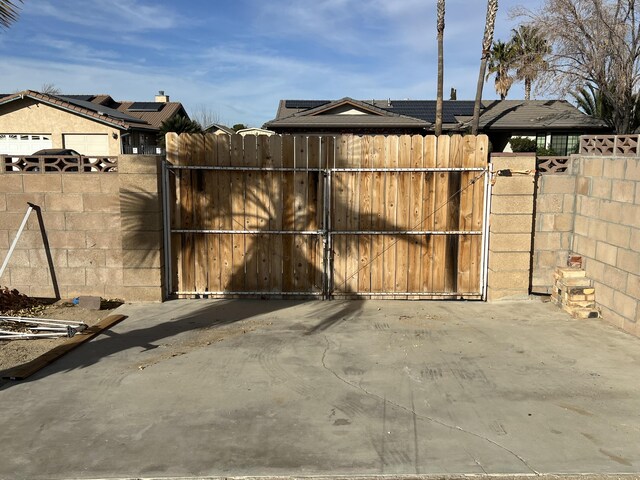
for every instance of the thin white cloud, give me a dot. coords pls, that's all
(115, 15)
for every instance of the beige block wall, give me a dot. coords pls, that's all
(100, 231)
(554, 225)
(607, 234)
(29, 116)
(511, 225)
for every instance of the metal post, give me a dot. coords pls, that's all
(484, 260)
(166, 216)
(15, 240)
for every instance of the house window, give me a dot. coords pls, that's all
(564, 144)
(573, 144)
(541, 140)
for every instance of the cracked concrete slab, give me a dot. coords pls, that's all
(277, 388)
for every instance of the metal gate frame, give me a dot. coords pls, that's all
(327, 233)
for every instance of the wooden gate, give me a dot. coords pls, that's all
(347, 216)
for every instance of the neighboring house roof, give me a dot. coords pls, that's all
(342, 113)
(533, 114)
(254, 131)
(457, 114)
(153, 113)
(102, 108)
(218, 126)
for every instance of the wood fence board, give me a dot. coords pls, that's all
(275, 216)
(187, 215)
(480, 160)
(288, 214)
(301, 213)
(224, 213)
(414, 283)
(378, 214)
(440, 217)
(403, 217)
(391, 211)
(365, 220)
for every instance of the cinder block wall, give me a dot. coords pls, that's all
(511, 224)
(553, 231)
(607, 234)
(89, 219)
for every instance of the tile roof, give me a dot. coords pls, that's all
(154, 118)
(104, 109)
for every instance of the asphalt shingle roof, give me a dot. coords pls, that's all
(495, 114)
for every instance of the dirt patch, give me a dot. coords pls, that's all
(19, 352)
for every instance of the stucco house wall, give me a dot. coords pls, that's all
(30, 117)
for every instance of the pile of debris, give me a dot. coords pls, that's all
(14, 301)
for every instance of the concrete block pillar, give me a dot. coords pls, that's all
(140, 178)
(511, 225)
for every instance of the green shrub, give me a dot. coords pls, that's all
(522, 144)
(546, 152)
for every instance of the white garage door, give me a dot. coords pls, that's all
(89, 145)
(23, 143)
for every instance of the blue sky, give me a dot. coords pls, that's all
(237, 58)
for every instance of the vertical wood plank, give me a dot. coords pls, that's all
(403, 215)
(365, 219)
(453, 214)
(441, 214)
(212, 206)
(314, 204)
(224, 213)
(173, 158)
(480, 160)
(301, 214)
(251, 212)
(237, 214)
(429, 212)
(339, 196)
(263, 212)
(276, 213)
(391, 210)
(353, 214)
(288, 214)
(200, 201)
(466, 212)
(378, 214)
(187, 282)
(415, 242)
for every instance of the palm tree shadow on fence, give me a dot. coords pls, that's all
(273, 202)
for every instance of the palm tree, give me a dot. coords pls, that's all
(490, 22)
(440, 29)
(529, 51)
(8, 12)
(592, 102)
(500, 62)
(178, 124)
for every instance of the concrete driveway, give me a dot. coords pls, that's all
(230, 388)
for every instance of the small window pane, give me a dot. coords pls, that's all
(559, 144)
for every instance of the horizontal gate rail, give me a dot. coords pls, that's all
(405, 232)
(406, 294)
(323, 169)
(251, 232)
(333, 232)
(257, 292)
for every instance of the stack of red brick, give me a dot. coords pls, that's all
(574, 292)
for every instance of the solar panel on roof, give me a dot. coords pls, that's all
(305, 104)
(426, 109)
(85, 98)
(146, 106)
